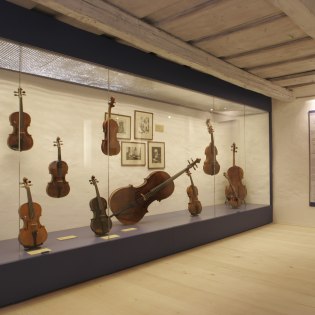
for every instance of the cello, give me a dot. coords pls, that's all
(211, 165)
(20, 139)
(130, 204)
(32, 234)
(101, 222)
(58, 186)
(110, 144)
(235, 192)
(194, 205)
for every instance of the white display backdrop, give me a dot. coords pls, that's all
(76, 113)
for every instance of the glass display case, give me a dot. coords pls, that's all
(58, 88)
(177, 124)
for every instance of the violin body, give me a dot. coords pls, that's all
(32, 234)
(101, 223)
(110, 144)
(235, 192)
(130, 204)
(194, 205)
(211, 165)
(58, 186)
(20, 139)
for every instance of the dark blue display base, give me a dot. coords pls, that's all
(87, 256)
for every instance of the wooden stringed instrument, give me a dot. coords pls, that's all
(211, 165)
(58, 186)
(110, 144)
(20, 139)
(194, 205)
(32, 234)
(130, 204)
(101, 222)
(235, 192)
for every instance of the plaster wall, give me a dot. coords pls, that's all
(291, 162)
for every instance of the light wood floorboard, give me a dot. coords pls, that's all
(266, 271)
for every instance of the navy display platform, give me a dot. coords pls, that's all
(85, 256)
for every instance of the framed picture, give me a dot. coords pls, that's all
(156, 154)
(133, 154)
(143, 125)
(124, 125)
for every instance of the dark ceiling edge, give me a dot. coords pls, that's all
(37, 29)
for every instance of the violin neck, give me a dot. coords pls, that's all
(98, 197)
(59, 154)
(30, 203)
(191, 180)
(21, 113)
(233, 158)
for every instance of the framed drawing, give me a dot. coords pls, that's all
(156, 155)
(143, 125)
(124, 125)
(133, 154)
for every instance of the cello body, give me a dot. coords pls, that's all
(58, 186)
(130, 204)
(110, 144)
(211, 165)
(20, 139)
(235, 192)
(132, 198)
(32, 234)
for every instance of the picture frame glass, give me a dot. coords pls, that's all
(133, 154)
(156, 155)
(143, 125)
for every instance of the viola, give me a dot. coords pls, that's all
(101, 222)
(20, 139)
(235, 192)
(110, 144)
(211, 165)
(194, 205)
(130, 204)
(58, 186)
(32, 234)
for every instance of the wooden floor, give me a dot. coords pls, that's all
(266, 271)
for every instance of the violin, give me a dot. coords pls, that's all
(211, 165)
(101, 222)
(235, 192)
(20, 139)
(110, 144)
(58, 186)
(130, 204)
(194, 205)
(33, 234)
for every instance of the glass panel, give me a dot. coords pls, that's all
(162, 129)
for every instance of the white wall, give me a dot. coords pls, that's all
(291, 163)
(75, 113)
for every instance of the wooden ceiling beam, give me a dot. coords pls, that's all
(301, 12)
(117, 23)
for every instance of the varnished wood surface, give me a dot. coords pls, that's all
(269, 270)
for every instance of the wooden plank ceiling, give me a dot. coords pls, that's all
(267, 46)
